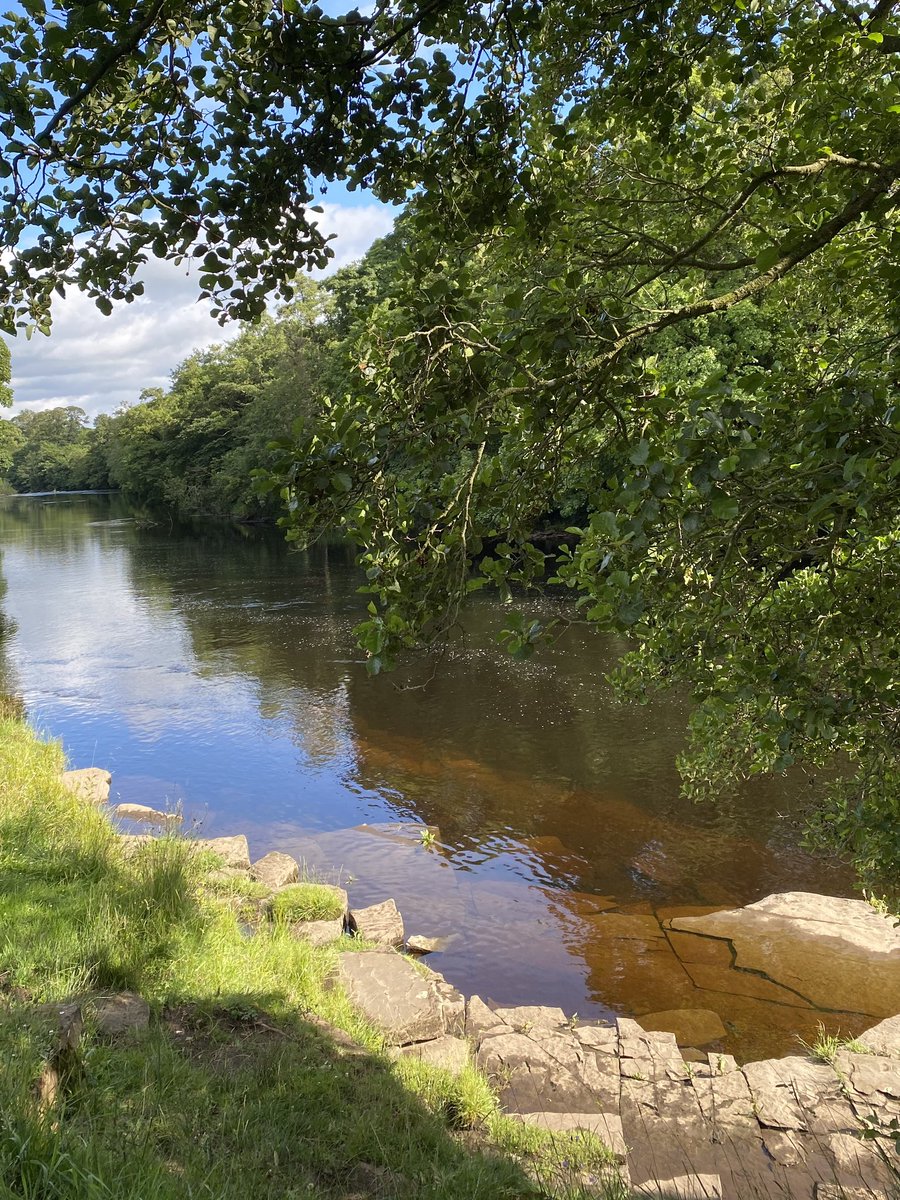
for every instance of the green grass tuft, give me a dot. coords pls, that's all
(306, 902)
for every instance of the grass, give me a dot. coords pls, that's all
(827, 1045)
(306, 902)
(234, 1091)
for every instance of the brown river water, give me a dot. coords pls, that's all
(211, 668)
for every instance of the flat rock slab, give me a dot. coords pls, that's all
(425, 945)
(90, 784)
(834, 953)
(275, 870)
(120, 1014)
(883, 1038)
(404, 833)
(691, 1026)
(449, 1053)
(379, 923)
(529, 1016)
(398, 998)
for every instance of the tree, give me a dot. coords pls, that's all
(593, 186)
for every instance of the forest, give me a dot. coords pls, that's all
(644, 294)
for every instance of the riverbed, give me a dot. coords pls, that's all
(212, 670)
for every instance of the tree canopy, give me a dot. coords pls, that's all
(646, 288)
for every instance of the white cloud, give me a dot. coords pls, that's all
(100, 362)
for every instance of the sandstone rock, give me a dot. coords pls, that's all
(393, 995)
(604, 1039)
(606, 1126)
(480, 1019)
(275, 870)
(835, 953)
(404, 833)
(870, 1075)
(141, 812)
(528, 1016)
(318, 933)
(225, 874)
(90, 784)
(233, 851)
(883, 1038)
(627, 925)
(682, 1187)
(131, 843)
(786, 1090)
(449, 1053)
(691, 1026)
(452, 1002)
(425, 945)
(379, 923)
(120, 1014)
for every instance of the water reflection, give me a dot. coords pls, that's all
(217, 670)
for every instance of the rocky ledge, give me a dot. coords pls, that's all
(782, 1127)
(680, 1123)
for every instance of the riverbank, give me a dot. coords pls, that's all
(221, 1055)
(252, 1076)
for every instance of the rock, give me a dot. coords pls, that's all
(275, 870)
(480, 1019)
(528, 1016)
(884, 1038)
(404, 833)
(131, 843)
(233, 851)
(425, 945)
(318, 933)
(449, 1053)
(682, 1187)
(140, 812)
(379, 923)
(606, 1126)
(627, 925)
(90, 784)
(834, 953)
(691, 1026)
(691, 1054)
(787, 1090)
(120, 1014)
(225, 874)
(393, 995)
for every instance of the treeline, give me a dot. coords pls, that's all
(193, 448)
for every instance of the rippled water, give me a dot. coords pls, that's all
(214, 669)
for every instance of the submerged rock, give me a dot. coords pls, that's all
(691, 1026)
(833, 953)
(425, 945)
(90, 784)
(141, 812)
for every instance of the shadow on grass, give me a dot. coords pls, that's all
(226, 1100)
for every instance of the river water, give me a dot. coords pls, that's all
(213, 669)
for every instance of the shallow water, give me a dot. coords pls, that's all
(213, 669)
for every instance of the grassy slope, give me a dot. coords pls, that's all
(232, 1093)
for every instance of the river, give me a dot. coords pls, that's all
(213, 669)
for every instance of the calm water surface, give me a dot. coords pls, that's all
(217, 670)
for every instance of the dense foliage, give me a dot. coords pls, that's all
(647, 286)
